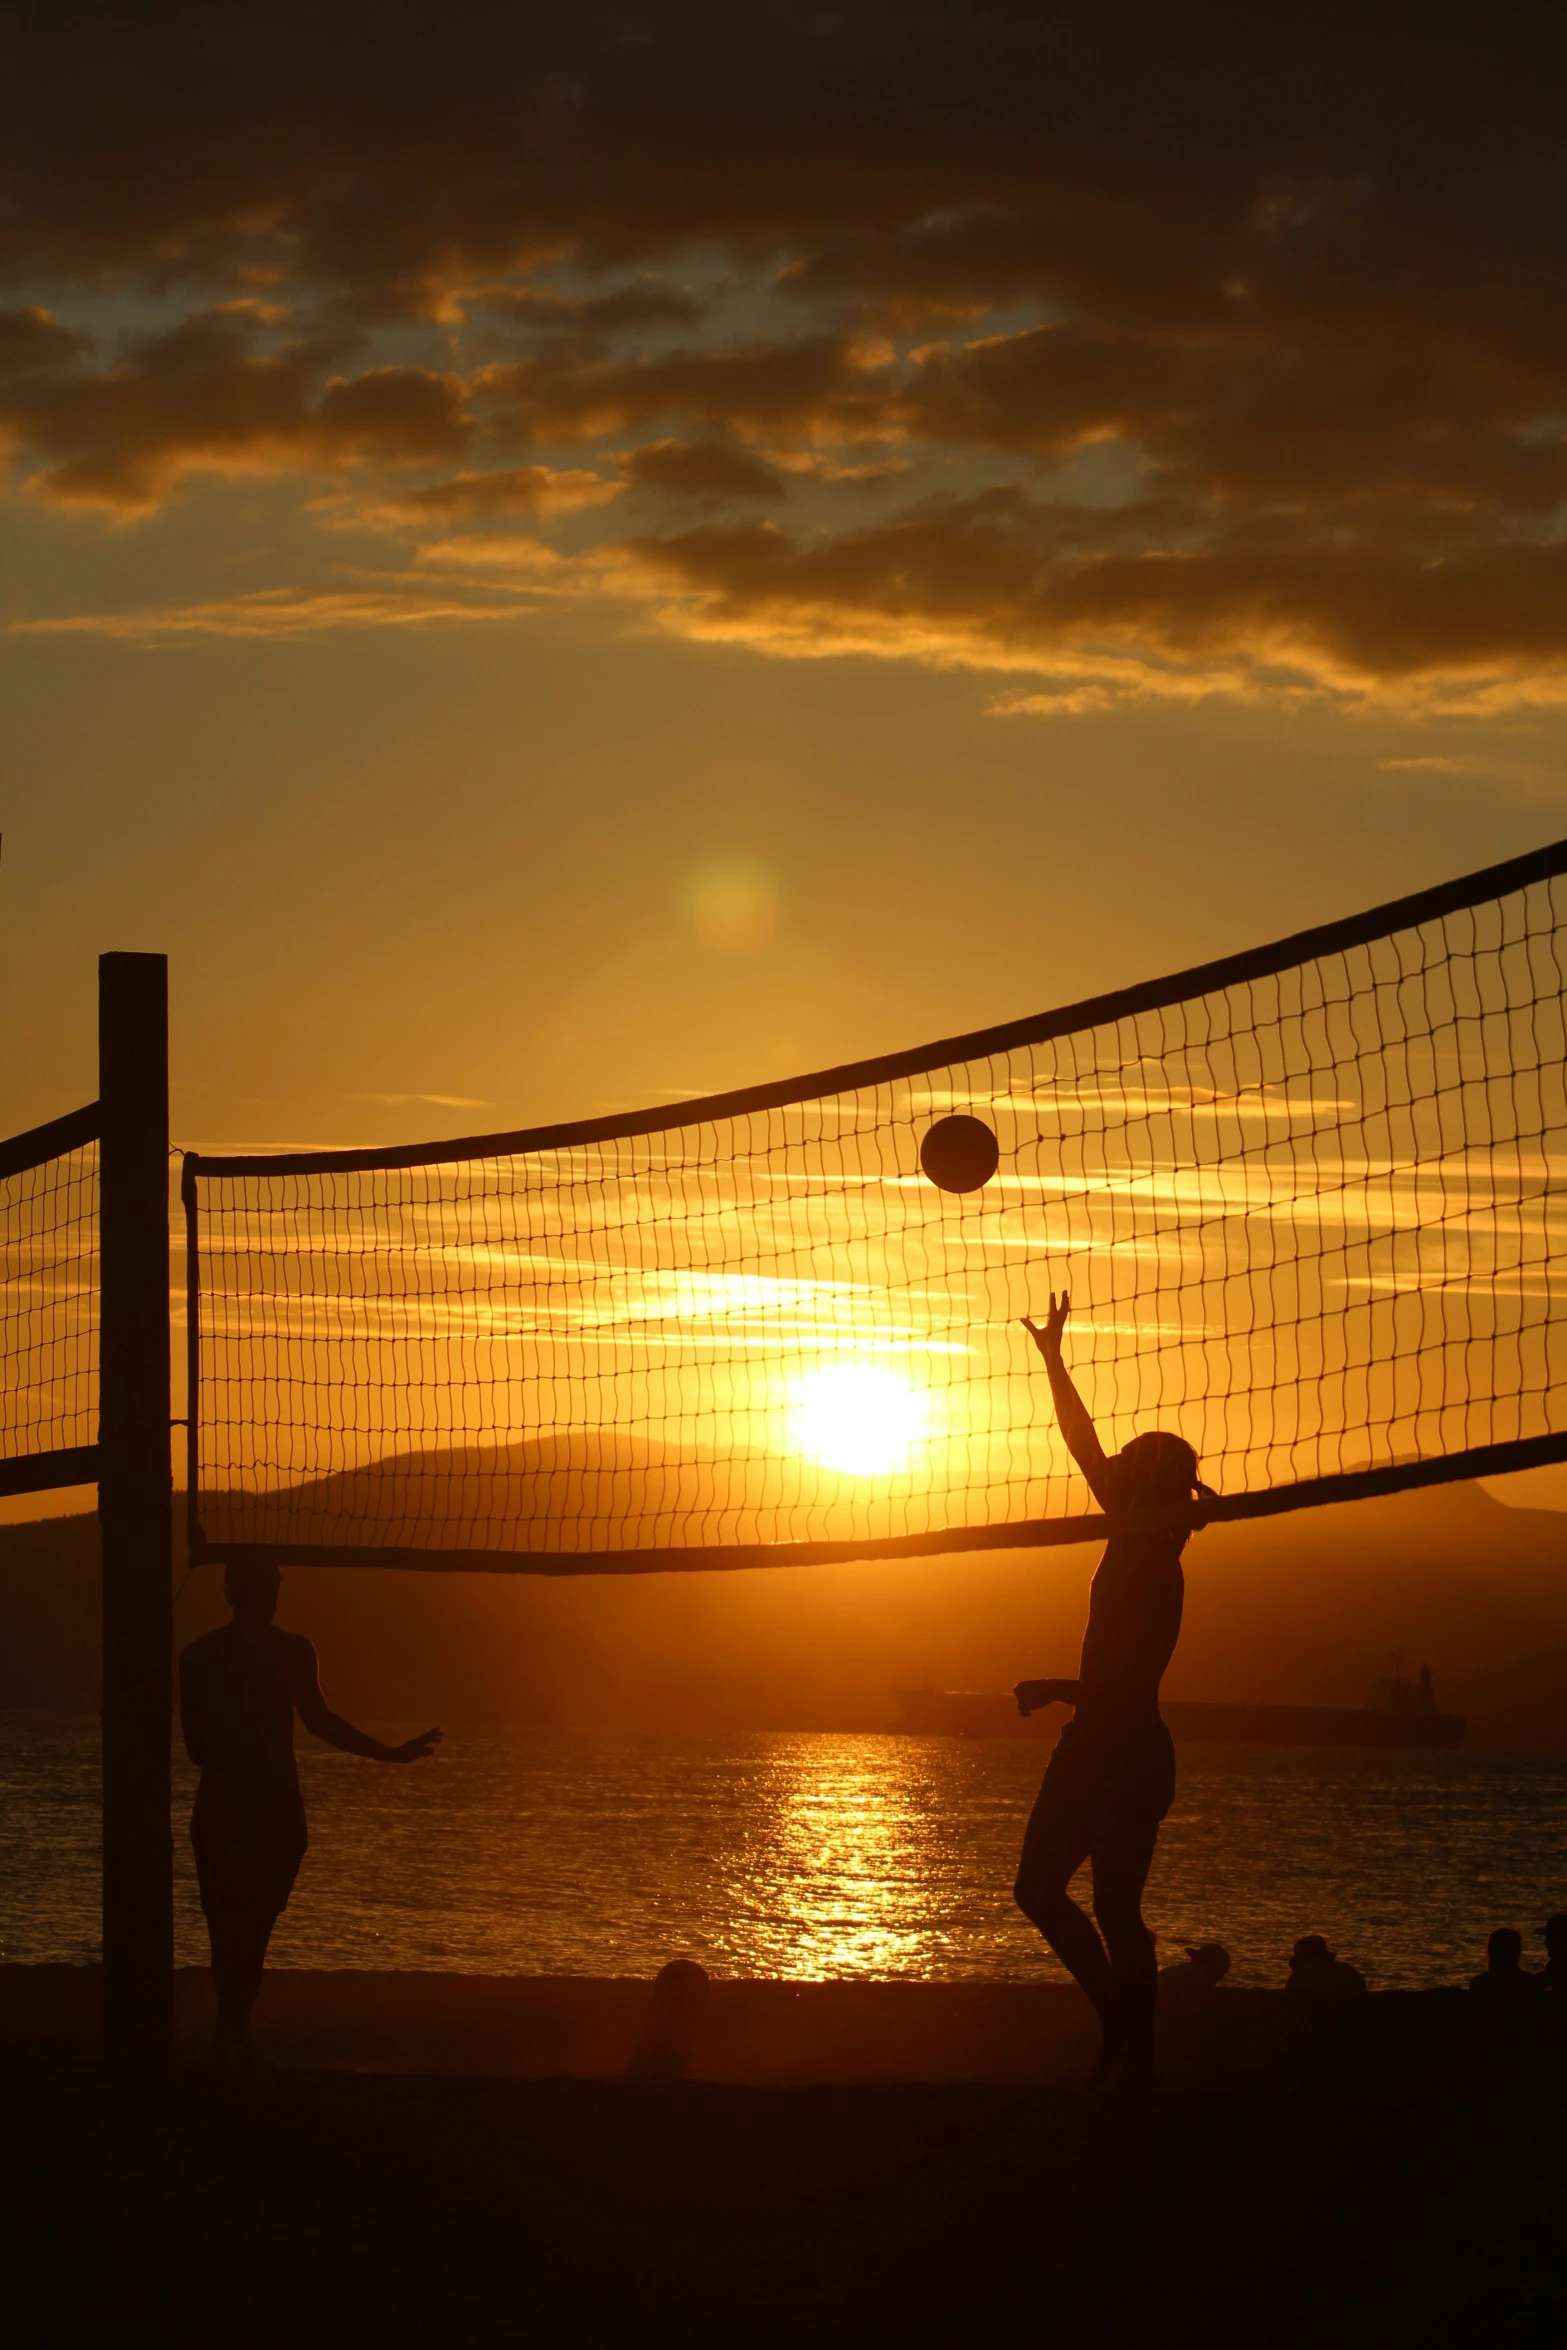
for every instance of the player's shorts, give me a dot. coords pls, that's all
(1107, 1787)
(249, 1841)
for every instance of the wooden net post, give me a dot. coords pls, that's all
(135, 1507)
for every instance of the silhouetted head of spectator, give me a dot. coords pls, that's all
(1209, 1959)
(1311, 1950)
(1504, 1951)
(1554, 1935)
(673, 2017)
(251, 1587)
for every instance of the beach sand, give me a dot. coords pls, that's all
(381, 2183)
(315, 2206)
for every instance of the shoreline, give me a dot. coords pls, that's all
(852, 2033)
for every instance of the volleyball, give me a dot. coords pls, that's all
(960, 1153)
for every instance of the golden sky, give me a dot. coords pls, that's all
(563, 559)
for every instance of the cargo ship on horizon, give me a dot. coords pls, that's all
(1399, 1713)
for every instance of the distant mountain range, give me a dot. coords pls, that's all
(562, 1492)
(1307, 1609)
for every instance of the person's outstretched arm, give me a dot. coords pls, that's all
(1031, 1695)
(1082, 1439)
(322, 1723)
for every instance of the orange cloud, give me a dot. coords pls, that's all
(490, 550)
(469, 497)
(439, 1101)
(284, 613)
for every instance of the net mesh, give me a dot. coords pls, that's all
(48, 1310)
(1312, 1220)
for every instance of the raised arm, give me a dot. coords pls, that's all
(322, 1723)
(1082, 1440)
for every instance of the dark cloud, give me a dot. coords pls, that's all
(628, 309)
(703, 469)
(31, 340)
(399, 415)
(1002, 581)
(1133, 156)
(1289, 279)
(1239, 411)
(203, 398)
(814, 384)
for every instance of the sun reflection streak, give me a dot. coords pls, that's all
(855, 1839)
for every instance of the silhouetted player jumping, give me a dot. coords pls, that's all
(1111, 1778)
(240, 1688)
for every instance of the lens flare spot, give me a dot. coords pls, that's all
(866, 1422)
(733, 904)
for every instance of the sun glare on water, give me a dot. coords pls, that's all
(863, 1421)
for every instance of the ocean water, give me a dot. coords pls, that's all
(814, 1856)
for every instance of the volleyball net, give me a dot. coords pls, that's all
(1310, 1203)
(49, 1293)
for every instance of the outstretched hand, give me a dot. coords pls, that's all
(417, 1749)
(1048, 1337)
(1033, 1695)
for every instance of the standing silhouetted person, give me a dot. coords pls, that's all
(240, 1688)
(1552, 1976)
(1112, 1776)
(1504, 1976)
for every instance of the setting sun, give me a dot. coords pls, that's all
(863, 1421)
